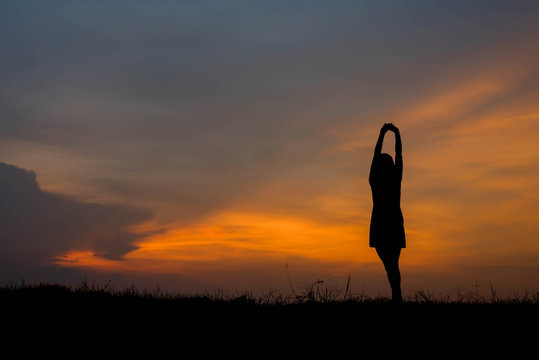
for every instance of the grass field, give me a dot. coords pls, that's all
(316, 313)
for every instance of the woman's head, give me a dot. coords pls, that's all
(385, 168)
(386, 160)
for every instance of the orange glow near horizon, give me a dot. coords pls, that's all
(236, 237)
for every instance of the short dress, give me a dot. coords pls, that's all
(387, 222)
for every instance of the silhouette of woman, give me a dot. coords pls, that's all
(387, 223)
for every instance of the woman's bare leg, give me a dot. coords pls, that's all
(390, 259)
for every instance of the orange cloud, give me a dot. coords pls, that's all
(238, 236)
(452, 103)
(469, 180)
(469, 189)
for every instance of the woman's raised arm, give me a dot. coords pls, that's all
(398, 150)
(378, 148)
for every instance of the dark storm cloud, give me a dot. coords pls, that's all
(36, 225)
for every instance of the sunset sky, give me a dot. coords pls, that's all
(202, 145)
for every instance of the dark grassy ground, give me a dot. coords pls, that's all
(315, 318)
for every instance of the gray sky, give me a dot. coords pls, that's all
(185, 110)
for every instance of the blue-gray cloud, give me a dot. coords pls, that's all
(36, 225)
